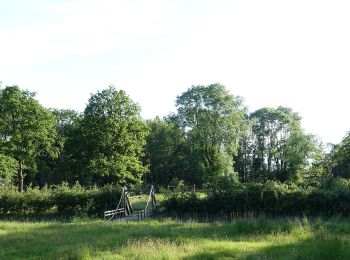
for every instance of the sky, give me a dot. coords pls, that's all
(272, 53)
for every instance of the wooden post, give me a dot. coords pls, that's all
(21, 176)
(125, 212)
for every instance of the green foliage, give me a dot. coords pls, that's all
(209, 138)
(166, 153)
(335, 185)
(320, 168)
(114, 137)
(68, 166)
(27, 129)
(275, 147)
(8, 169)
(341, 158)
(270, 198)
(60, 200)
(213, 120)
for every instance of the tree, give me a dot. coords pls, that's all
(68, 166)
(114, 137)
(321, 165)
(275, 147)
(8, 169)
(213, 120)
(341, 158)
(27, 129)
(166, 152)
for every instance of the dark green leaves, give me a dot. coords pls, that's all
(275, 147)
(27, 129)
(114, 137)
(341, 158)
(213, 120)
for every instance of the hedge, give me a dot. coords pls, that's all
(59, 200)
(269, 199)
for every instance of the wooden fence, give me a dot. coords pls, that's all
(119, 215)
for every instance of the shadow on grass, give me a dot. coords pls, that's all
(320, 246)
(61, 240)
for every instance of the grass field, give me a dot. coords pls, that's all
(139, 203)
(168, 239)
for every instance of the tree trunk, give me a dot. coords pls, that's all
(21, 176)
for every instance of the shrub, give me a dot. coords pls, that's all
(60, 200)
(271, 199)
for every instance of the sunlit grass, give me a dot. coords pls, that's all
(169, 239)
(140, 202)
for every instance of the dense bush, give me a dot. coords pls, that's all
(8, 169)
(270, 198)
(60, 200)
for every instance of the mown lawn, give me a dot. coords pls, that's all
(168, 239)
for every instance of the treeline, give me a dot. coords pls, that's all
(40, 146)
(211, 141)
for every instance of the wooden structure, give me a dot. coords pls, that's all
(125, 212)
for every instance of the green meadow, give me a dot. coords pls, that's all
(170, 239)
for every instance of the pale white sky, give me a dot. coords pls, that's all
(290, 53)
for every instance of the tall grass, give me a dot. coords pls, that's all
(168, 239)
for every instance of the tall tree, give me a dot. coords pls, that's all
(275, 147)
(166, 152)
(341, 158)
(114, 137)
(213, 120)
(27, 129)
(68, 166)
